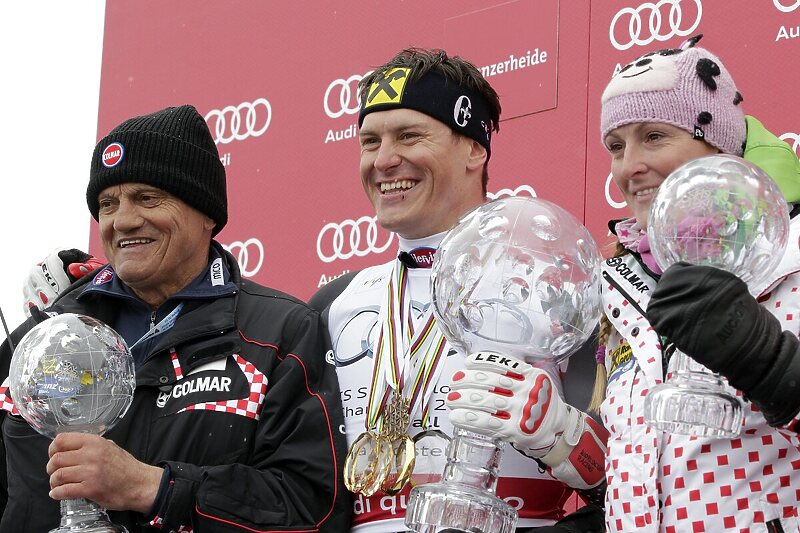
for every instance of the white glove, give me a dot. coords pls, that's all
(52, 276)
(506, 398)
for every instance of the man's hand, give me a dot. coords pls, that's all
(507, 398)
(52, 276)
(88, 466)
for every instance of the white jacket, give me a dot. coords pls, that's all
(676, 483)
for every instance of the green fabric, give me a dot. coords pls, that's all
(775, 157)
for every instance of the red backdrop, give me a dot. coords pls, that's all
(276, 82)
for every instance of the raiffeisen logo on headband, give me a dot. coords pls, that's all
(112, 155)
(389, 89)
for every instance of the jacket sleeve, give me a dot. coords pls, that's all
(293, 480)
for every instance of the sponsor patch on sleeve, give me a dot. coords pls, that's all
(622, 360)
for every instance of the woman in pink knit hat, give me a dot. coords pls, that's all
(658, 112)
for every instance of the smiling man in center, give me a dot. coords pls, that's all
(426, 125)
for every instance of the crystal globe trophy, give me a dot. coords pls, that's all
(725, 212)
(73, 373)
(519, 277)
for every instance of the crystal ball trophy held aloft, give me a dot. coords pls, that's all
(520, 277)
(725, 212)
(73, 373)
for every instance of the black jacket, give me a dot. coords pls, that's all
(262, 453)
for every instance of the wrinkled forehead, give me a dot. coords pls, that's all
(654, 71)
(130, 188)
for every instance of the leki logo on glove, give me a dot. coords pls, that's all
(498, 359)
(112, 155)
(50, 279)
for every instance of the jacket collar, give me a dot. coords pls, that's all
(201, 317)
(213, 282)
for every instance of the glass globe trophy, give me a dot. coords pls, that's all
(520, 277)
(73, 373)
(725, 212)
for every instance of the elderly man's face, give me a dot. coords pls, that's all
(156, 243)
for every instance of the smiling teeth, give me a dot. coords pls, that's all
(123, 244)
(400, 184)
(644, 192)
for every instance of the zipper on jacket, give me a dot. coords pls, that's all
(667, 348)
(627, 296)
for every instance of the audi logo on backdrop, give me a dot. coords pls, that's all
(343, 240)
(249, 254)
(341, 96)
(780, 4)
(654, 22)
(792, 139)
(236, 123)
(521, 190)
(613, 203)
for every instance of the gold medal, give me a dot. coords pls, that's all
(404, 458)
(354, 471)
(383, 465)
(396, 418)
(367, 463)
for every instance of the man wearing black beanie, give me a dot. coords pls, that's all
(235, 417)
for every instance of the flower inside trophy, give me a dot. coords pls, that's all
(517, 277)
(73, 373)
(725, 212)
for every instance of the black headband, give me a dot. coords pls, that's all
(434, 94)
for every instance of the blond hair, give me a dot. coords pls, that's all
(604, 332)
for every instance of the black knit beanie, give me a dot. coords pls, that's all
(171, 149)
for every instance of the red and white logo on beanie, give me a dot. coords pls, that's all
(112, 155)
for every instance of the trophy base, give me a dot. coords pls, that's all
(460, 507)
(694, 404)
(85, 516)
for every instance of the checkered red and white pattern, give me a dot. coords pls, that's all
(677, 483)
(176, 364)
(249, 406)
(6, 403)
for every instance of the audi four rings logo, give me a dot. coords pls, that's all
(249, 254)
(648, 22)
(343, 240)
(792, 139)
(236, 123)
(341, 96)
(522, 190)
(613, 203)
(786, 9)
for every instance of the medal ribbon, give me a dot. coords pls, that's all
(401, 351)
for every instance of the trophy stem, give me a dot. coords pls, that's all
(464, 499)
(694, 401)
(85, 516)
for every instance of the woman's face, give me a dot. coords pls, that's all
(644, 154)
